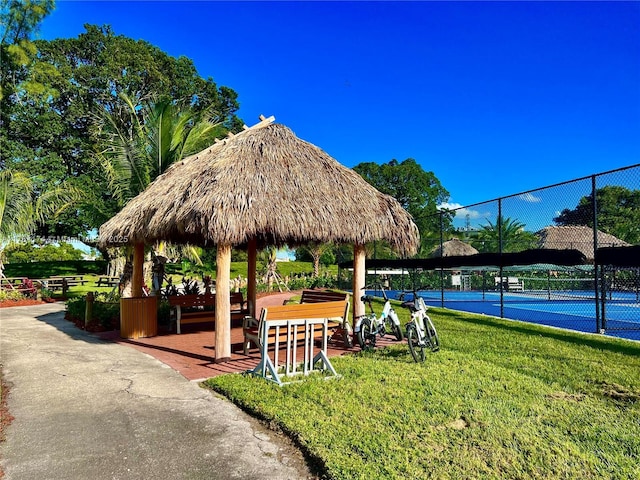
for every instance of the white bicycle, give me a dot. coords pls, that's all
(421, 332)
(368, 327)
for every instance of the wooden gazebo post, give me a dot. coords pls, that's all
(223, 304)
(252, 251)
(359, 272)
(137, 275)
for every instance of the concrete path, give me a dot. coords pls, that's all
(88, 409)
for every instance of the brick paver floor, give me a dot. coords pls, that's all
(192, 353)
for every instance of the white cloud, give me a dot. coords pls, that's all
(528, 197)
(461, 212)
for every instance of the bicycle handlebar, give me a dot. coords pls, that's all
(378, 285)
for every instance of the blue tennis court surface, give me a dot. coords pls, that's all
(575, 310)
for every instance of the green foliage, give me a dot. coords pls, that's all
(51, 269)
(7, 294)
(50, 135)
(510, 232)
(105, 311)
(618, 213)
(501, 399)
(418, 192)
(42, 252)
(139, 142)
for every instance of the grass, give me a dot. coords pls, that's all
(500, 400)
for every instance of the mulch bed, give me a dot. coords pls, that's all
(22, 303)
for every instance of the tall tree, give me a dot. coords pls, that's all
(53, 138)
(419, 192)
(618, 211)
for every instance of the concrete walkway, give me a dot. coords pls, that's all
(89, 409)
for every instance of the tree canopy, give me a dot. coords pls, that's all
(419, 192)
(618, 211)
(50, 132)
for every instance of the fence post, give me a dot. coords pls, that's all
(600, 327)
(499, 225)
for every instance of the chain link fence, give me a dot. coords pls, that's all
(584, 214)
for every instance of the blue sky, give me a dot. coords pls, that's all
(495, 98)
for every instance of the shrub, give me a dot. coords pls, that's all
(106, 311)
(13, 295)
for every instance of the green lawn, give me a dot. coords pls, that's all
(500, 400)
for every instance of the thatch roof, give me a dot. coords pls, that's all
(263, 183)
(576, 237)
(453, 247)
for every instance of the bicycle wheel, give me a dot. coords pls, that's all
(416, 349)
(397, 331)
(366, 338)
(432, 334)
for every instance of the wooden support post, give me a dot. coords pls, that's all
(137, 276)
(88, 312)
(252, 251)
(359, 272)
(223, 304)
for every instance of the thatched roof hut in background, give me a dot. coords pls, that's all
(576, 237)
(263, 186)
(451, 248)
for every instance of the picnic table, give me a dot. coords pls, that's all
(108, 281)
(9, 282)
(62, 282)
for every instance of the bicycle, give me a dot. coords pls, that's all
(421, 332)
(369, 326)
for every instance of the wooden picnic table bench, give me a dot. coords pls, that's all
(108, 281)
(11, 280)
(19, 284)
(197, 308)
(63, 282)
(335, 312)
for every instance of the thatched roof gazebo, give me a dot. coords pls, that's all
(452, 248)
(263, 186)
(578, 237)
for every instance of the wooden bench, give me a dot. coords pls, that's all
(198, 308)
(336, 313)
(318, 296)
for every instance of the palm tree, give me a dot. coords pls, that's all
(21, 209)
(140, 142)
(511, 232)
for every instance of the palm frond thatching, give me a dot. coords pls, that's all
(264, 183)
(576, 237)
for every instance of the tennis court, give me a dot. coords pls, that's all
(575, 310)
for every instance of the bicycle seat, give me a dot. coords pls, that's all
(410, 305)
(366, 298)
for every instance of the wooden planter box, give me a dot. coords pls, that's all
(138, 317)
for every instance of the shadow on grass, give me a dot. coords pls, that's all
(610, 344)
